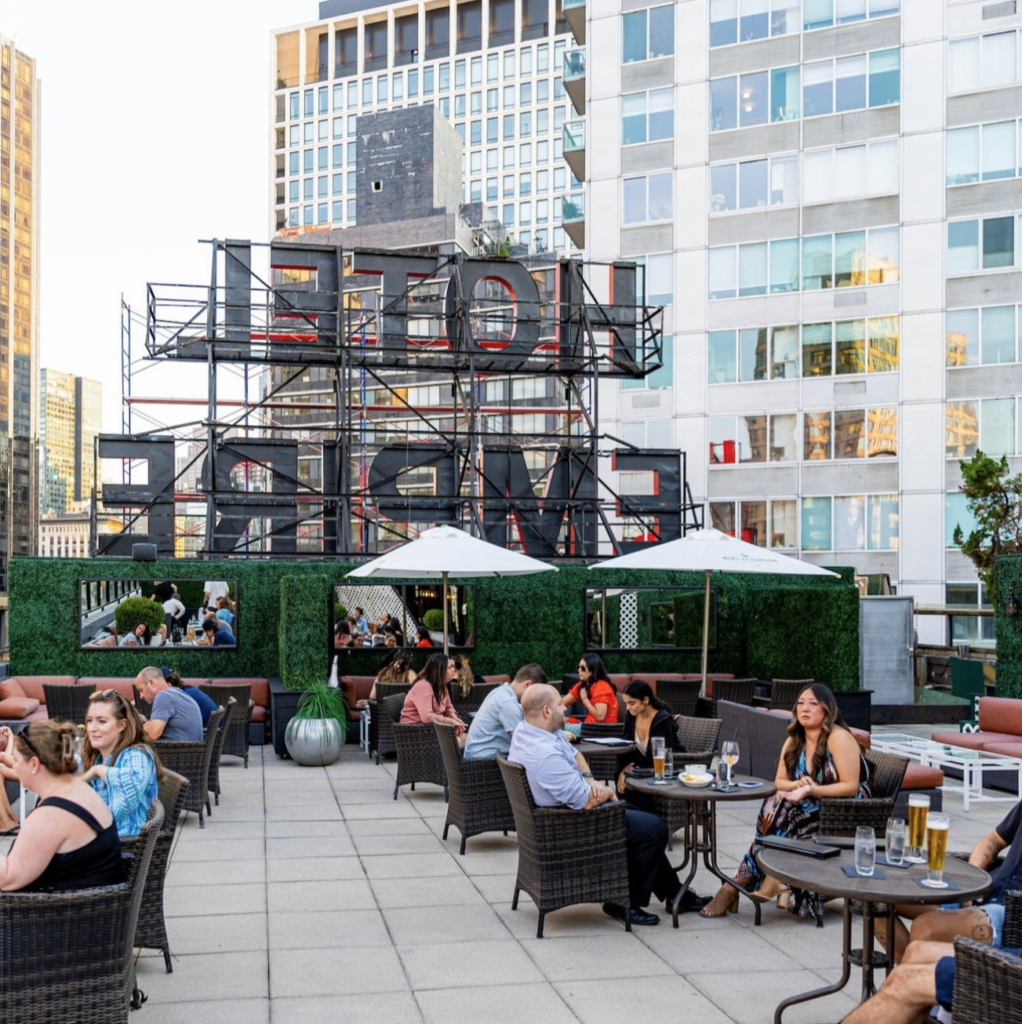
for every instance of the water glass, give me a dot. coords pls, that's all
(865, 851)
(895, 842)
(658, 760)
(668, 763)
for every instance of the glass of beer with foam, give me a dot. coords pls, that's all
(918, 806)
(936, 849)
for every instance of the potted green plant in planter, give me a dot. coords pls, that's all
(433, 620)
(318, 728)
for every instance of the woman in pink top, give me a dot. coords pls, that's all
(428, 700)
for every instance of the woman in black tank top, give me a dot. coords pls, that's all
(70, 840)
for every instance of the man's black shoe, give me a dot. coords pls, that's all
(690, 902)
(636, 916)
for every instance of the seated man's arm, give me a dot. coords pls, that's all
(154, 728)
(162, 710)
(985, 852)
(599, 794)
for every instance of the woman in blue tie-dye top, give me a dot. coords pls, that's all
(120, 761)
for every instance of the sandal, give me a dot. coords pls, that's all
(770, 888)
(724, 903)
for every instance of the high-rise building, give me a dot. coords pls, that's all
(492, 67)
(19, 296)
(827, 195)
(70, 417)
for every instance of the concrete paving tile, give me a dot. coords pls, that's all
(302, 829)
(216, 872)
(702, 945)
(314, 812)
(802, 941)
(498, 888)
(332, 929)
(424, 892)
(226, 976)
(665, 998)
(288, 798)
(582, 956)
(404, 825)
(190, 831)
(352, 893)
(412, 867)
(216, 933)
(411, 926)
(226, 849)
(354, 797)
(195, 901)
(312, 972)
(309, 846)
(305, 869)
(227, 1011)
(374, 846)
(495, 1004)
(487, 856)
(467, 963)
(365, 1008)
(376, 811)
(754, 999)
(580, 920)
(226, 813)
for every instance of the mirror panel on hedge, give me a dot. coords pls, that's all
(142, 614)
(647, 618)
(409, 615)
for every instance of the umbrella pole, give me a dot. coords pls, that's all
(706, 632)
(444, 599)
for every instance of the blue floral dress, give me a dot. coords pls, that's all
(780, 817)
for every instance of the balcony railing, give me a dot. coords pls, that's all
(574, 136)
(574, 65)
(573, 208)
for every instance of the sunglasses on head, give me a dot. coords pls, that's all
(28, 743)
(104, 695)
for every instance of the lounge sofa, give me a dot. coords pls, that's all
(1000, 732)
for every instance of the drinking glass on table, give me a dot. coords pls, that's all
(658, 761)
(729, 754)
(918, 806)
(668, 763)
(937, 827)
(865, 851)
(895, 841)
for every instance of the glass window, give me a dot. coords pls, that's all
(723, 272)
(660, 278)
(723, 22)
(633, 31)
(818, 169)
(721, 361)
(817, 262)
(784, 180)
(752, 184)
(817, 13)
(723, 188)
(661, 31)
(818, 88)
(999, 150)
(816, 436)
(752, 438)
(883, 256)
(850, 83)
(816, 525)
(752, 516)
(661, 114)
(753, 103)
(752, 269)
(961, 429)
(782, 524)
(723, 104)
(754, 20)
(998, 242)
(785, 94)
(884, 77)
(882, 518)
(846, 11)
(722, 513)
(850, 259)
(998, 334)
(850, 523)
(998, 64)
(784, 350)
(883, 167)
(962, 246)
(882, 423)
(817, 345)
(962, 155)
(961, 335)
(849, 433)
(850, 346)
(884, 343)
(752, 353)
(956, 513)
(849, 172)
(633, 119)
(784, 265)
(997, 426)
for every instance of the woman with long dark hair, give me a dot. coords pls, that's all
(594, 690)
(429, 699)
(820, 758)
(647, 717)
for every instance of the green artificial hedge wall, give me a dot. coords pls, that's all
(285, 608)
(1009, 631)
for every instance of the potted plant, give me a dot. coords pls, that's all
(318, 728)
(433, 620)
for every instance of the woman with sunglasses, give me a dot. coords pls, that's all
(119, 759)
(594, 691)
(69, 841)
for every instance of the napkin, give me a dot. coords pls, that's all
(849, 870)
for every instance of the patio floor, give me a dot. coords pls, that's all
(311, 896)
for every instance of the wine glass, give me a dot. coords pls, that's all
(729, 752)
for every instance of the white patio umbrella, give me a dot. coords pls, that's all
(711, 551)
(447, 551)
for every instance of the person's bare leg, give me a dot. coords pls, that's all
(944, 926)
(901, 934)
(8, 819)
(909, 991)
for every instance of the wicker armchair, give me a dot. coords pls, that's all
(48, 974)
(988, 981)
(605, 766)
(418, 752)
(192, 760)
(151, 931)
(841, 816)
(466, 705)
(236, 740)
(66, 703)
(477, 796)
(698, 738)
(142, 706)
(381, 732)
(231, 709)
(737, 691)
(680, 695)
(783, 693)
(566, 857)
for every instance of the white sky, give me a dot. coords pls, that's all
(155, 133)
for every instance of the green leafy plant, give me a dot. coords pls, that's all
(434, 619)
(994, 499)
(340, 612)
(133, 610)
(322, 701)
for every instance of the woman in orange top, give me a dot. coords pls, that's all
(429, 700)
(597, 695)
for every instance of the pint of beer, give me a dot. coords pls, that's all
(936, 849)
(918, 806)
(658, 760)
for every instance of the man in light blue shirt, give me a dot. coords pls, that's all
(490, 731)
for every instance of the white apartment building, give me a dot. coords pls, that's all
(493, 67)
(831, 190)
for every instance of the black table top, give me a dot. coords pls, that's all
(675, 790)
(587, 748)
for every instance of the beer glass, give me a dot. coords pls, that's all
(937, 826)
(658, 761)
(918, 805)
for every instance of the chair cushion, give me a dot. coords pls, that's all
(348, 687)
(201, 682)
(1013, 749)
(497, 679)
(619, 680)
(32, 686)
(972, 740)
(1000, 713)
(361, 687)
(122, 684)
(18, 707)
(863, 737)
(11, 688)
(919, 776)
(259, 713)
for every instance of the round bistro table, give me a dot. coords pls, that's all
(899, 885)
(700, 825)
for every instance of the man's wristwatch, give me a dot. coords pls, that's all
(587, 775)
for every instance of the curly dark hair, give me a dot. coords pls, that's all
(832, 719)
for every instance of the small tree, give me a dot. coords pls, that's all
(994, 499)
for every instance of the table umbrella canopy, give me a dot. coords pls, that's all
(710, 551)
(447, 551)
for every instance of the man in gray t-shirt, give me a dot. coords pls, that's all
(175, 715)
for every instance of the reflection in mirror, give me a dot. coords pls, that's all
(141, 614)
(643, 618)
(403, 615)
